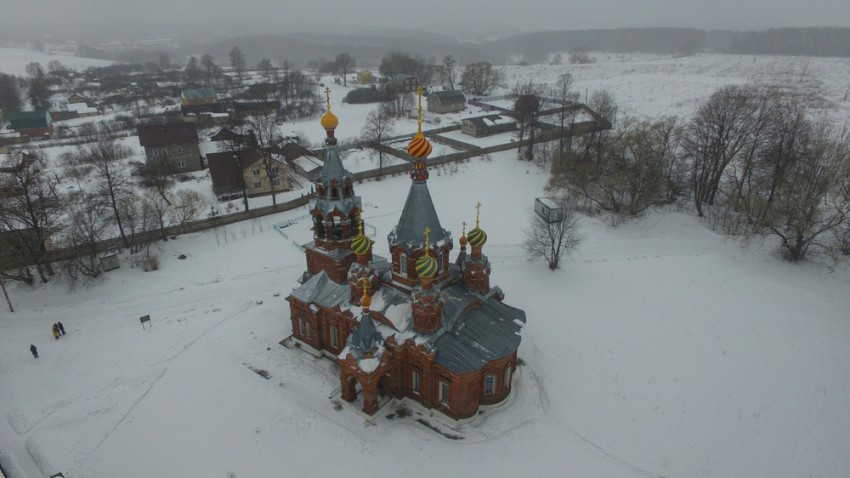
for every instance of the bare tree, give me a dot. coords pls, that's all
(156, 174)
(156, 207)
(106, 157)
(721, 130)
(627, 172)
(448, 72)
(344, 63)
(268, 139)
(528, 102)
(30, 208)
(480, 78)
(397, 102)
(268, 70)
(237, 62)
(812, 198)
(580, 56)
(192, 72)
(89, 224)
(10, 98)
(187, 206)
(551, 239)
(379, 125)
(210, 70)
(562, 93)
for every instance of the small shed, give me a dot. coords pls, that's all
(451, 101)
(548, 209)
(109, 260)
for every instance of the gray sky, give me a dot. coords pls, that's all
(474, 16)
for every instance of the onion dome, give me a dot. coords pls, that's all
(419, 147)
(329, 120)
(427, 266)
(361, 243)
(477, 237)
(463, 240)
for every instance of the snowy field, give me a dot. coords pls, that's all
(14, 61)
(660, 349)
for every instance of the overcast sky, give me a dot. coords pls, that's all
(474, 16)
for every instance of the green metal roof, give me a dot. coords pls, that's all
(29, 119)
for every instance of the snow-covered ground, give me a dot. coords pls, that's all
(14, 61)
(659, 349)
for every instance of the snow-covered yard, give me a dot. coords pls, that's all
(660, 349)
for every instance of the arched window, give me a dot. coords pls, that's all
(402, 264)
(507, 383)
(489, 384)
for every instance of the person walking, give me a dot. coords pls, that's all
(55, 331)
(61, 328)
(34, 351)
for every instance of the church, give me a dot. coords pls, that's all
(417, 325)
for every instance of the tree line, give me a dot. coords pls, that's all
(751, 155)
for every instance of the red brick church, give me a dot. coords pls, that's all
(419, 325)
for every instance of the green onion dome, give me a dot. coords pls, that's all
(426, 266)
(361, 244)
(477, 237)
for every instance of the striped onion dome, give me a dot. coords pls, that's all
(419, 147)
(361, 244)
(329, 120)
(426, 266)
(477, 237)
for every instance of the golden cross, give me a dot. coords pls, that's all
(477, 214)
(328, 94)
(464, 228)
(359, 224)
(427, 240)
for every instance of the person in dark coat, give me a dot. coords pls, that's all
(61, 328)
(34, 351)
(55, 331)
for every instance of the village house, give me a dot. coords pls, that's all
(176, 143)
(232, 170)
(365, 77)
(198, 96)
(417, 327)
(34, 124)
(451, 101)
(488, 125)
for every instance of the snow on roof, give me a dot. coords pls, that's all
(81, 108)
(308, 163)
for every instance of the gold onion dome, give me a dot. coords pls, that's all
(426, 266)
(419, 147)
(463, 240)
(329, 120)
(361, 244)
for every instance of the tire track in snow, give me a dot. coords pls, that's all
(605, 452)
(153, 383)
